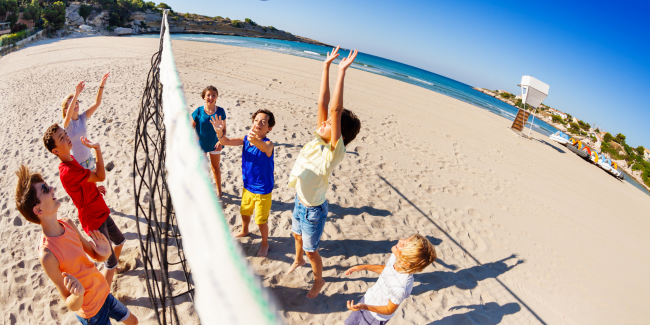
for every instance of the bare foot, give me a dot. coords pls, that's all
(264, 250)
(315, 290)
(295, 265)
(242, 234)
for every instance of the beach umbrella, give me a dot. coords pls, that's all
(533, 93)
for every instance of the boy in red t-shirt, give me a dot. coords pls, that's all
(79, 183)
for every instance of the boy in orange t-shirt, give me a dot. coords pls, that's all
(62, 253)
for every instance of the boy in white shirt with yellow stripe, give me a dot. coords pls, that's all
(317, 159)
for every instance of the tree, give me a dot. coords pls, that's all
(84, 11)
(163, 5)
(236, 24)
(569, 117)
(620, 138)
(608, 137)
(640, 150)
(32, 11)
(248, 20)
(9, 7)
(54, 15)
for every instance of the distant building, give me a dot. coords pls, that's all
(518, 97)
(501, 91)
(646, 154)
(5, 28)
(575, 120)
(556, 112)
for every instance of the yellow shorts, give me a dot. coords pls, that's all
(260, 203)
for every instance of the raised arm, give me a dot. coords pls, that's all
(98, 99)
(68, 112)
(264, 146)
(98, 249)
(324, 94)
(69, 287)
(99, 175)
(219, 126)
(336, 107)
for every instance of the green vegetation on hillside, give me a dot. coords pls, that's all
(619, 150)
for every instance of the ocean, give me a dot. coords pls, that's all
(377, 65)
(388, 68)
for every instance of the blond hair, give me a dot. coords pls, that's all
(416, 254)
(64, 104)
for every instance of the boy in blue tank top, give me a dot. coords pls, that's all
(257, 171)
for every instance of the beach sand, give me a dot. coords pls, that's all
(526, 231)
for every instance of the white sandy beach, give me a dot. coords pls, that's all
(526, 232)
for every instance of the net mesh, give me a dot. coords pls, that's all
(153, 203)
(174, 196)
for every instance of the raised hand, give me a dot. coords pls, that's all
(108, 74)
(217, 124)
(353, 269)
(100, 243)
(354, 307)
(346, 62)
(88, 143)
(331, 56)
(252, 134)
(80, 87)
(73, 285)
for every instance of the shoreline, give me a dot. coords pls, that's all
(475, 190)
(233, 34)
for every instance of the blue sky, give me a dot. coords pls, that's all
(594, 55)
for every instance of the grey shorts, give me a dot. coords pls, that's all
(89, 164)
(115, 236)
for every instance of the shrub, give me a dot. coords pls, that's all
(84, 11)
(271, 28)
(54, 15)
(557, 119)
(248, 20)
(640, 150)
(236, 24)
(608, 137)
(163, 5)
(569, 117)
(218, 17)
(620, 138)
(32, 11)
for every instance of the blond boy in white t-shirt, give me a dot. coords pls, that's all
(395, 281)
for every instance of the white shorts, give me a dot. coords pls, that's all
(215, 152)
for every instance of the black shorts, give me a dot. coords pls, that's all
(114, 235)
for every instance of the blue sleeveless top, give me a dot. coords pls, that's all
(257, 168)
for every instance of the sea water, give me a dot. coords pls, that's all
(377, 65)
(389, 68)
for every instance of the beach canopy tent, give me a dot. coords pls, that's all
(533, 93)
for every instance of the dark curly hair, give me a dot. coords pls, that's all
(267, 112)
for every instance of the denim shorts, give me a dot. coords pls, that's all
(309, 223)
(115, 236)
(89, 164)
(112, 308)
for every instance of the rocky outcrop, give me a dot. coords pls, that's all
(149, 21)
(123, 31)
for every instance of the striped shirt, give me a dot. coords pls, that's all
(315, 162)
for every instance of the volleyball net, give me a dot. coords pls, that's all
(181, 225)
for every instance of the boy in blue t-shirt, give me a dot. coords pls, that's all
(207, 137)
(257, 170)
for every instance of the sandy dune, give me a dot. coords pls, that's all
(526, 232)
